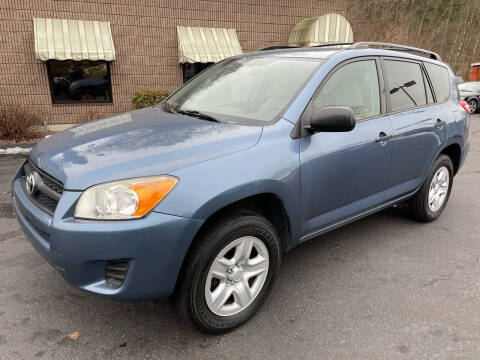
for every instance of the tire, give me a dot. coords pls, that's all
(193, 297)
(419, 207)
(473, 104)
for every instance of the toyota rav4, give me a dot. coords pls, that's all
(198, 197)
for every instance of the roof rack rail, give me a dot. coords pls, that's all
(277, 47)
(365, 44)
(334, 44)
(396, 47)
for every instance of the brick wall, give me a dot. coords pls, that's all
(144, 34)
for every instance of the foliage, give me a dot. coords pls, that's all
(90, 115)
(447, 27)
(149, 97)
(18, 124)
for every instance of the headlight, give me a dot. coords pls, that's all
(124, 199)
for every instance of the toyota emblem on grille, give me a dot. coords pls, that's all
(30, 184)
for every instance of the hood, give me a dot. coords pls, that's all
(144, 142)
(464, 93)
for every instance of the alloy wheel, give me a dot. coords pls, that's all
(438, 189)
(236, 276)
(473, 106)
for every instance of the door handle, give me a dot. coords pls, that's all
(440, 123)
(382, 137)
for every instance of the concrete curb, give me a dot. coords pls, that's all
(26, 144)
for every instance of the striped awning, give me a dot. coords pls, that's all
(62, 39)
(204, 45)
(329, 28)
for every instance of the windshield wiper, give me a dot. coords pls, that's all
(197, 114)
(169, 108)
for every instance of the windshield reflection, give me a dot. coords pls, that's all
(248, 90)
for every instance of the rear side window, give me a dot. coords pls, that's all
(405, 86)
(354, 85)
(440, 81)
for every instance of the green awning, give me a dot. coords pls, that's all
(329, 28)
(204, 45)
(62, 39)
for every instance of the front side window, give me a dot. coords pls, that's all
(440, 81)
(354, 85)
(248, 90)
(405, 86)
(79, 81)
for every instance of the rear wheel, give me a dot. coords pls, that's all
(429, 202)
(228, 272)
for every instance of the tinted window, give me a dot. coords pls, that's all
(405, 87)
(79, 81)
(354, 85)
(440, 81)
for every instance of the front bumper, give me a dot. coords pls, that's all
(79, 249)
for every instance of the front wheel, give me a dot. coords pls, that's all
(228, 272)
(430, 200)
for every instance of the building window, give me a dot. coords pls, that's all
(79, 81)
(190, 70)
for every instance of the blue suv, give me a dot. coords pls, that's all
(198, 197)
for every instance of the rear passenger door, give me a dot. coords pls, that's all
(419, 126)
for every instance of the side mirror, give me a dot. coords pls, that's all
(332, 119)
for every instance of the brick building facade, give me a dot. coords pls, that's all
(145, 38)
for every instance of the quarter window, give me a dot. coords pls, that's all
(354, 85)
(440, 81)
(79, 81)
(405, 86)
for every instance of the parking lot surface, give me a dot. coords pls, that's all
(384, 287)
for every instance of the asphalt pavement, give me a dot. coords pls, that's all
(384, 287)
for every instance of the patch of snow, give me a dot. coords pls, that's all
(15, 150)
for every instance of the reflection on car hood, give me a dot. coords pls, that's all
(469, 93)
(140, 143)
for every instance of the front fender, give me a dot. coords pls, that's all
(272, 167)
(240, 192)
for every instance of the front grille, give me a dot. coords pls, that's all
(116, 272)
(47, 190)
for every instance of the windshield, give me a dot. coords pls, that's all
(469, 87)
(247, 91)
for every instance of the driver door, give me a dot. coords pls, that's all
(344, 174)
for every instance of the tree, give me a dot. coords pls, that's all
(448, 27)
